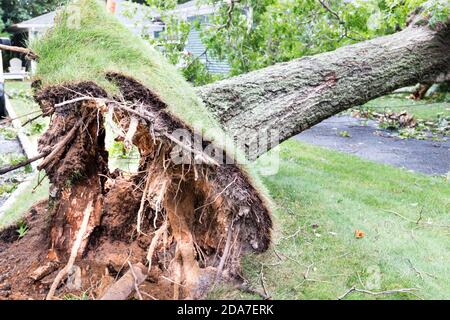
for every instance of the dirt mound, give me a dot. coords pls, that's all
(189, 224)
(176, 226)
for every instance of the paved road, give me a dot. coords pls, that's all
(370, 142)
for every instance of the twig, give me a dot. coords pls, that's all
(292, 235)
(247, 288)
(33, 119)
(74, 252)
(415, 269)
(306, 274)
(128, 283)
(376, 293)
(277, 254)
(148, 295)
(287, 257)
(143, 199)
(418, 220)
(399, 215)
(420, 216)
(203, 156)
(132, 128)
(30, 55)
(419, 273)
(19, 117)
(40, 180)
(136, 286)
(174, 282)
(229, 15)
(339, 19)
(23, 163)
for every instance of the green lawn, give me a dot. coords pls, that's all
(25, 200)
(323, 197)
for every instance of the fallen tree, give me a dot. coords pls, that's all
(189, 221)
(293, 96)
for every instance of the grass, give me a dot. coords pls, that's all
(24, 201)
(25, 108)
(426, 109)
(323, 197)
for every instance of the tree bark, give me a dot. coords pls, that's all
(292, 97)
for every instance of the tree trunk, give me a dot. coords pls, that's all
(292, 97)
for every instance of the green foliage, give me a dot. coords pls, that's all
(8, 133)
(11, 159)
(74, 177)
(37, 128)
(431, 115)
(24, 94)
(6, 188)
(195, 72)
(172, 40)
(22, 229)
(344, 134)
(258, 33)
(263, 32)
(118, 150)
(83, 296)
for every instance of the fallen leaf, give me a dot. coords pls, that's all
(359, 234)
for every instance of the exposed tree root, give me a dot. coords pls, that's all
(188, 223)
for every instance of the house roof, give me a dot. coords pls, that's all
(193, 8)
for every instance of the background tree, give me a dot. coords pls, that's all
(252, 34)
(14, 11)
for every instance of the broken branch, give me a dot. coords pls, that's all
(23, 163)
(376, 293)
(30, 55)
